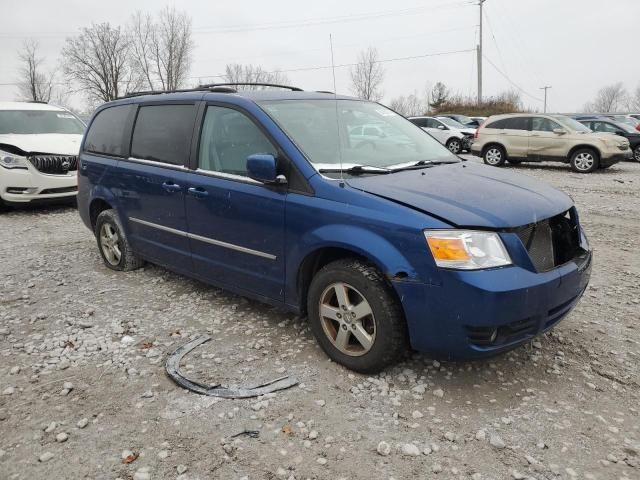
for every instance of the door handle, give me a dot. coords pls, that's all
(171, 187)
(198, 192)
(535, 135)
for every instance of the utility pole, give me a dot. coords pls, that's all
(479, 52)
(545, 88)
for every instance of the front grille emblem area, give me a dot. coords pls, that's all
(54, 164)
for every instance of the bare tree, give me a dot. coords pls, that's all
(34, 84)
(99, 60)
(237, 73)
(410, 105)
(610, 98)
(367, 75)
(162, 48)
(439, 96)
(635, 101)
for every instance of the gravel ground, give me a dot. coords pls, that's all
(83, 392)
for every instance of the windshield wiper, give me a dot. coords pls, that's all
(357, 170)
(418, 165)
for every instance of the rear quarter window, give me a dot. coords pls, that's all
(512, 123)
(162, 133)
(106, 134)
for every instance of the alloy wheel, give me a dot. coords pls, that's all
(110, 244)
(584, 161)
(347, 319)
(454, 146)
(493, 156)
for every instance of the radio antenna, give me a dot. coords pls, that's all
(335, 101)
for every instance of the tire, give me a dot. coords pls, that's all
(376, 316)
(636, 153)
(113, 244)
(454, 145)
(494, 155)
(584, 160)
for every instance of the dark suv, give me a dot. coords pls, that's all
(273, 195)
(604, 124)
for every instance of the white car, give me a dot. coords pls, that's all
(454, 135)
(39, 146)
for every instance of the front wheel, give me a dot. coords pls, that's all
(454, 145)
(113, 244)
(494, 156)
(584, 160)
(636, 153)
(355, 316)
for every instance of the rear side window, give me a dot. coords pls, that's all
(541, 124)
(513, 123)
(162, 133)
(421, 122)
(106, 134)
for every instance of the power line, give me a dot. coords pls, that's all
(239, 28)
(303, 69)
(518, 87)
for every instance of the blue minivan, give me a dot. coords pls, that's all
(336, 208)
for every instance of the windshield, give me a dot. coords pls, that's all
(370, 134)
(451, 122)
(572, 124)
(626, 127)
(463, 119)
(29, 122)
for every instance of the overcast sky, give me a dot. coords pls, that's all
(576, 46)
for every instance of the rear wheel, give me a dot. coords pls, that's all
(454, 145)
(584, 160)
(355, 316)
(494, 155)
(636, 153)
(113, 244)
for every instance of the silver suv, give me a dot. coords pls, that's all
(536, 138)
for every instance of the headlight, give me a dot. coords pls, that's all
(10, 160)
(467, 249)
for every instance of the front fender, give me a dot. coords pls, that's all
(366, 243)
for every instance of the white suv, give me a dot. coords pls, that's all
(455, 136)
(39, 145)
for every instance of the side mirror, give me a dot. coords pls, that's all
(620, 132)
(559, 131)
(441, 127)
(263, 168)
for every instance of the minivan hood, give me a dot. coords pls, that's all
(470, 195)
(54, 143)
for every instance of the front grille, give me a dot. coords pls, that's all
(552, 242)
(55, 164)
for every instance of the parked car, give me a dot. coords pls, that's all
(39, 146)
(604, 124)
(536, 138)
(620, 118)
(450, 133)
(372, 135)
(261, 193)
(462, 119)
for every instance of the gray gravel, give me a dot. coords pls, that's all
(84, 394)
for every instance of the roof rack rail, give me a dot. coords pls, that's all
(159, 92)
(249, 84)
(211, 87)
